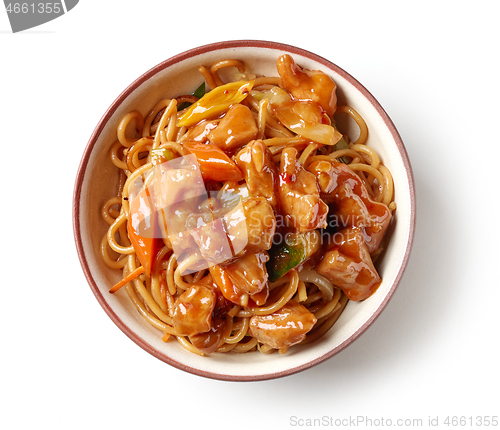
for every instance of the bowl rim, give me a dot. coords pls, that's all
(149, 74)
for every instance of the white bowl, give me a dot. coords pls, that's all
(97, 177)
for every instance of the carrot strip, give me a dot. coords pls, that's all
(132, 275)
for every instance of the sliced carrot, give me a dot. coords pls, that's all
(214, 162)
(130, 277)
(144, 231)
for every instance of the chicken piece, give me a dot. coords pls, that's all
(231, 292)
(251, 225)
(299, 194)
(373, 216)
(200, 132)
(192, 312)
(283, 328)
(249, 272)
(176, 188)
(306, 84)
(236, 129)
(209, 341)
(260, 298)
(325, 175)
(222, 236)
(349, 266)
(350, 201)
(207, 228)
(260, 172)
(231, 194)
(261, 223)
(210, 237)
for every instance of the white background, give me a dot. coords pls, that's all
(433, 65)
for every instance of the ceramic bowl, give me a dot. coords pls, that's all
(96, 179)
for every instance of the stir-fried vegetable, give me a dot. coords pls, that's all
(306, 118)
(143, 230)
(214, 163)
(161, 155)
(215, 102)
(130, 277)
(292, 251)
(342, 144)
(198, 93)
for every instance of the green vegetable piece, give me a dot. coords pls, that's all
(183, 105)
(284, 256)
(199, 92)
(292, 251)
(342, 144)
(161, 155)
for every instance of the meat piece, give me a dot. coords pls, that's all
(372, 216)
(261, 223)
(231, 194)
(283, 328)
(200, 132)
(306, 84)
(236, 129)
(349, 266)
(260, 172)
(207, 228)
(209, 341)
(251, 225)
(177, 186)
(230, 291)
(325, 175)
(350, 201)
(249, 272)
(192, 312)
(259, 298)
(299, 194)
(210, 237)
(233, 293)
(222, 236)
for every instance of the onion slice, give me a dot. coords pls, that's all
(324, 285)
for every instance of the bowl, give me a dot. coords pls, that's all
(96, 179)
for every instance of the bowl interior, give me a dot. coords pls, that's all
(97, 179)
